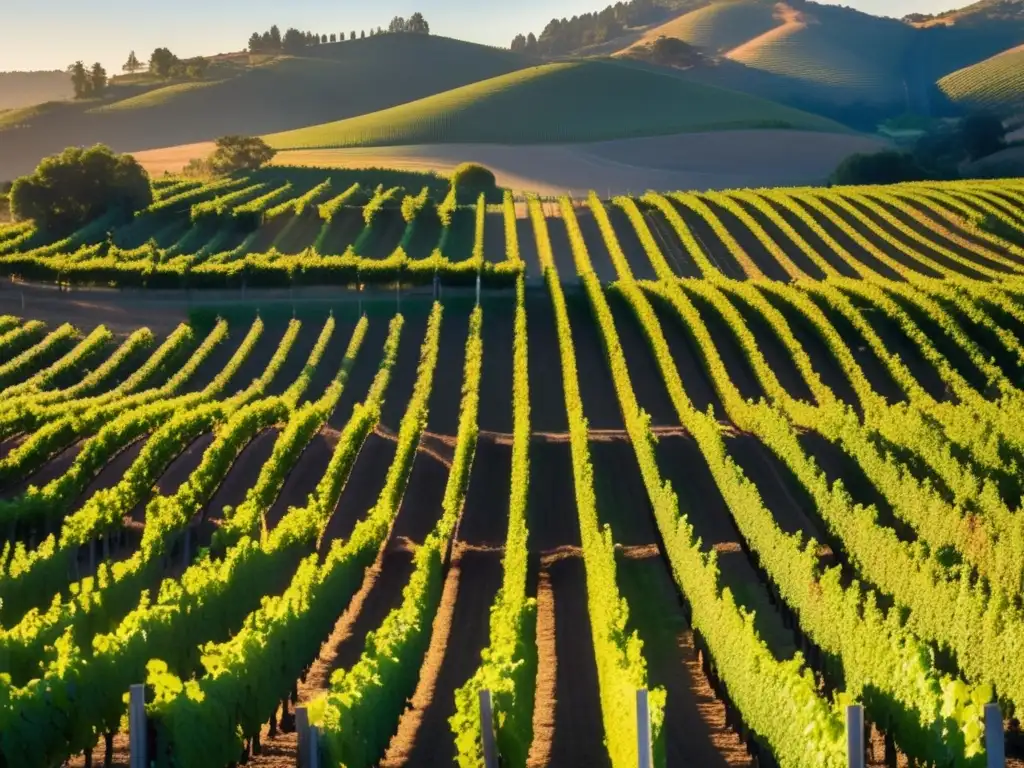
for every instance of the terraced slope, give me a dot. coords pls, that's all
(579, 101)
(995, 83)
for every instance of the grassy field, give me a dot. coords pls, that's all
(579, 101)
(996, 83)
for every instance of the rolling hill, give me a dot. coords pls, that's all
(557, 102)
(837, 61)
(255, 95)
(996, 83)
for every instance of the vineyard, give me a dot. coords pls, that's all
(757, 453)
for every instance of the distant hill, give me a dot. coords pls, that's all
(25, 89)
(255, 95)
(836, 61)
(558, 102)
(996, 83)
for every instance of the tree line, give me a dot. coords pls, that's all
(91, 82)
(294, 40)
(562, 36)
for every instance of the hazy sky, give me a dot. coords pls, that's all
(49, 34)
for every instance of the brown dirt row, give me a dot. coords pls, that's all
(740, 371)
(804, 231)
(528, 246)
(947, 346)
(937, 211)
(695, 730)
(461, 626)
(671, 246)
(775, 352)
(567, 724)
(713, 247)
(754, 248)
(894, 252)
(597, 249)
(910, 244)
(383, 583)
(560, 248)
(925, 223)
(388, 228)
(877, 374)
(451, 359)
(629, 240)
(495, 247)
(788, 246)
(822, 359)
(897, 342)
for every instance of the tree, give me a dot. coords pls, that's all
(397, 24)
(255, 43)
(80, 80)
(531, 43)
(275, 38)
(133, 64)
(197, 68)
(334, 37)
(886, 167)
(362, 35)
(982, 134)
(69, 190)
(240, 153)
(352, 35)
(417, 24)
(294, 41)
(97, 79)
(161, 62)
(518, 43)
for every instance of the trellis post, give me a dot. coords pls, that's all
(137, 726)
(995, 746)
(643, 730)
(855, 736)
(487, 730)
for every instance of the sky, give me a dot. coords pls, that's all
(50, 34)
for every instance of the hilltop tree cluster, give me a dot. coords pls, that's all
(88, 83)
(293, 40)
(164, 64)
(562, 36)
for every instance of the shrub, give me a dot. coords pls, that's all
(78, 186)
(888, 167)
(473, 176)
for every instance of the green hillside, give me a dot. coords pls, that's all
(561, 102)
(258, 94)
(996, 83)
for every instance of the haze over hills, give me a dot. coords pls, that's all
(760, 64)
(24, 89)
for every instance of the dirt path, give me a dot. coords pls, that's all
(715, 250)
(671, 246)
(741, 374)
(754, 248)
(694, 735)
(878, 376)
(461, 627)
(776, 234)
(897, 343)
(495, 245)
(822, 359)
(812, 239)
(775, 352)
(600, 259)
(689, 362)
